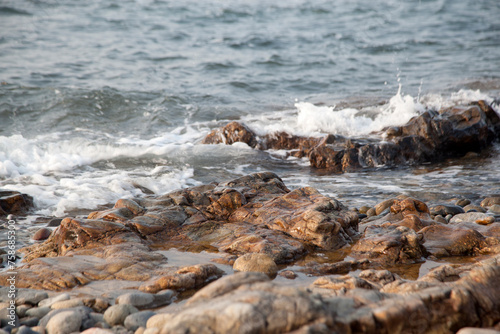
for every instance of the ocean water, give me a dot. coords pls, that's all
(104, 99)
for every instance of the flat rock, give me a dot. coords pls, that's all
(446, 240)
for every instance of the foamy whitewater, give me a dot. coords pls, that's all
(104, 100)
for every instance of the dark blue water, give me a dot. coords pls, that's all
(97, 97)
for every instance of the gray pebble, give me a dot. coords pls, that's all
(139, 319)
(26, 330)
(137, 299)
(32, 297)
(116, 314)
(65, 322)
(38, 312)
(50, 301)
(29, 321)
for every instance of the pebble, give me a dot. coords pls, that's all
(136, 320)
(67, 304)
(446, 209)
(289, 274)
(472, 207)
(38, 312)
(440, 219)
(42, 234)
(371, 212)
(29, 321)
(472, 330)
(64, 323)
(26, 330)
(256, 262)
(364, 209)
(53, 300)
(489, 201)
(495, 208)
(485, 221)
(21, 310)
(96, 330)
(470, 217)
(116, 314)
(31, 297)
(137, 299)
(462, 202)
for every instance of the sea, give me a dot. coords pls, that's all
(109, 99)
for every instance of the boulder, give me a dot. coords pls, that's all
(13, 202)
(256, 262)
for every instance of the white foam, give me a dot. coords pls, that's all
(311, 120)
(58, 171)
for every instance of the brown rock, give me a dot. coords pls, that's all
(13, 202)
(230, 134)
(42, 234)
(489, 201)
(256, 262)
(446, 240)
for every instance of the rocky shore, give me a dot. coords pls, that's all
(432, 136)
(252, 256)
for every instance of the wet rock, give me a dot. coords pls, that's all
(471, 217)
(42, 234)
(136, 320)
(54, 222)
(389, 244)
(288, 274)
(256, 262)
(13, 202)
(230, 134)
(446, 240)
(446, 209)
(337, 268)
(116, 314)
(495, 209)
(474, 208)
(489, 201)
(462, 202)
(431, 136)
(64, 323)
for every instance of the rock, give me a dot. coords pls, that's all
(343, 282)
(495, 209)
(64, 323)
(21, 310)
(96, 330)
(116, 314)
(446, 209)
(337, 268)
(440, 219)
(54, 222)
(470, 217)
(431, 136)
(137, 299)
(70, 303)
(256, 262)
(13, 202)
(288, 274)
(29, 321)
(25, 330)
(97, 304)
(389, 244)
(230, 134)
(462, 202)
(364, 209)
(474, 208)
(32, 297)
(184, 279)
(489, 201)
(82, 311)
(139, 319)
(446, 240)
(42, 234)
(226, 285)
(38, 312)
(475, 330)
(50, 301)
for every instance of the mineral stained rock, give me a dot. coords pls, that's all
(431, 136)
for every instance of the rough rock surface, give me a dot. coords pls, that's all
(431, 136)
(343, 304)
(252, 214)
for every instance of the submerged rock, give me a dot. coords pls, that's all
(13, 202)
(431, 136)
